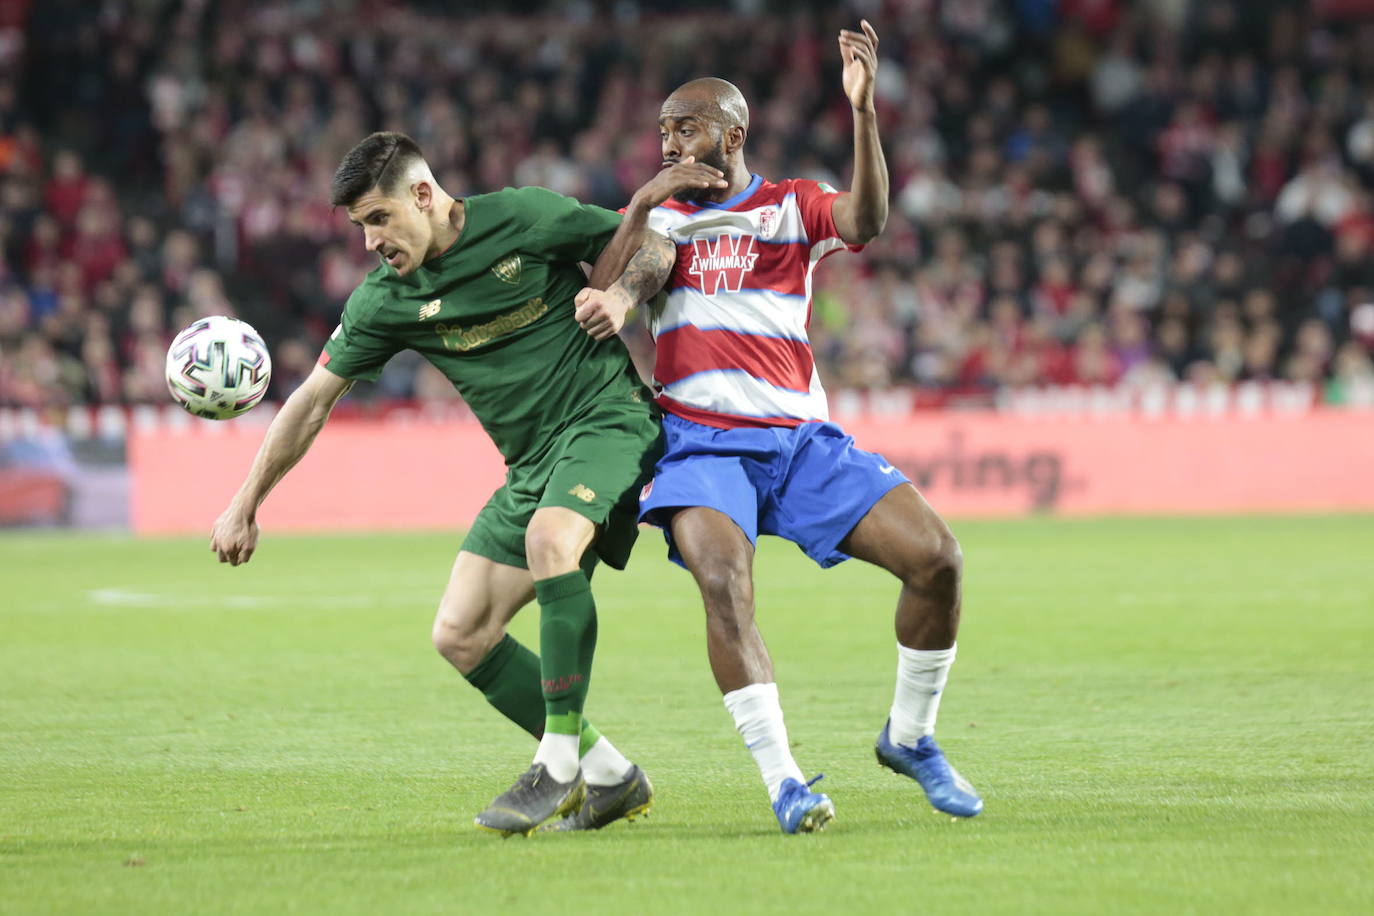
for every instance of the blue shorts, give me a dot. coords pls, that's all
(808, 484)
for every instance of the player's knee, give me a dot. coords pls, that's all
(548, 547)
(458, 641)
(448, 639)
(940, 566)
(946, 561)
(950, 556)
(726, 588)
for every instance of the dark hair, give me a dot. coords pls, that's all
(377, 162)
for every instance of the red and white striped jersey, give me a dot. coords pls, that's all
(731, 335)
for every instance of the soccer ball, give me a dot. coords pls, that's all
(218, 368)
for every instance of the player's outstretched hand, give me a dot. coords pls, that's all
(234, 537)
(601, 313)
(860, 53)
(682, 175)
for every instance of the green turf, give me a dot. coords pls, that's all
(1164, 716)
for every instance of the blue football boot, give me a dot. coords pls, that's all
(800, 810)
(947, 790)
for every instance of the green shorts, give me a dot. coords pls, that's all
(596, 467)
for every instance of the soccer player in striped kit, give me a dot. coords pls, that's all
(749, 447)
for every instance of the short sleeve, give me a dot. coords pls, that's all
(816, 201)
(571, 231)
(356, 349)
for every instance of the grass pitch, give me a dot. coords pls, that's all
(1162, 715)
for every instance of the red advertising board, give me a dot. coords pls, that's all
(379, 474)
(992, 465)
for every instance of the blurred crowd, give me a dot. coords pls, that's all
(1085, 192)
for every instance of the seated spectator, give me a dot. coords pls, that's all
(1144, 209)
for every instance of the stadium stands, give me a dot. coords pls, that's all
(1086, 192)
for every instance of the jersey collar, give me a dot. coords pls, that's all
(737, 199)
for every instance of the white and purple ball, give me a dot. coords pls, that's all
(218, 368)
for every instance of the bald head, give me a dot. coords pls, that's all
(710, 99)
(706, 121)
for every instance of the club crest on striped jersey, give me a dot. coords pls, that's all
(722, 262)
(769, 218)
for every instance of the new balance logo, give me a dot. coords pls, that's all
(430, 309)
(722, 263)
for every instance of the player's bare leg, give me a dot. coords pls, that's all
(555, 540)
(470, 632)
(480, 601)
(721, 559)
(905, 536)
(555, 543)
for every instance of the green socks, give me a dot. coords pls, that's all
(509, 679)
(567, 641)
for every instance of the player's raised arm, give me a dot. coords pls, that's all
(861, 214)
(235, 535)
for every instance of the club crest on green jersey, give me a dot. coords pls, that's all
(507, 270)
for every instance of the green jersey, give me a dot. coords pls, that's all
(494, 313)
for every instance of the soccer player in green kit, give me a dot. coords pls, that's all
(484, 289)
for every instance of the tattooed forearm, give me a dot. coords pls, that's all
(629, 235)
(649, 268)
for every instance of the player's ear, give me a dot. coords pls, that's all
(423, 195)
(734, 138)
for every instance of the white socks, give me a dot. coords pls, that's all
(559, 754)
(758, 718)
(603, 765)
(921, 676)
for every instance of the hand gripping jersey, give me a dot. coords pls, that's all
(731, 334)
